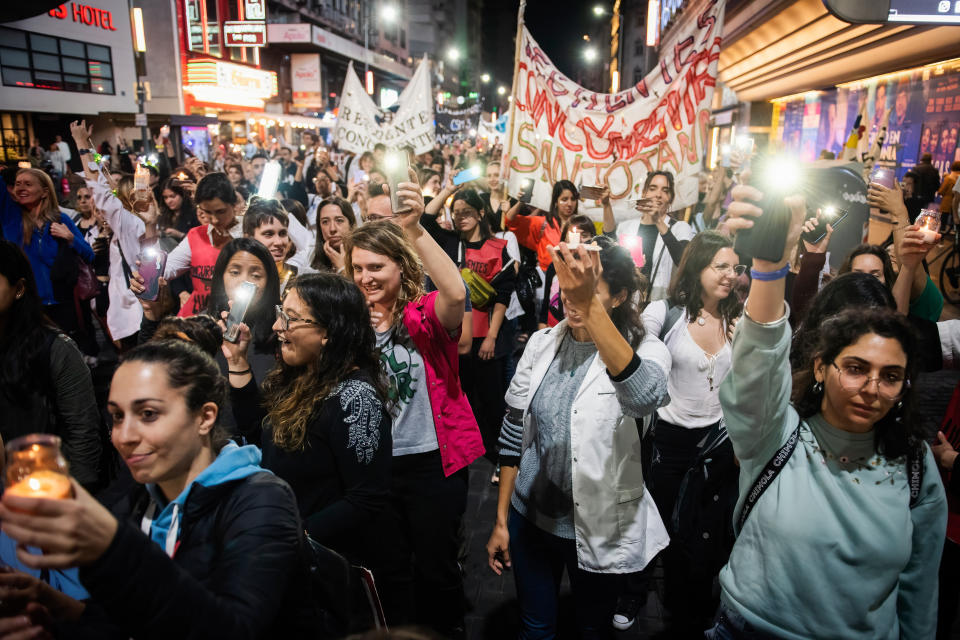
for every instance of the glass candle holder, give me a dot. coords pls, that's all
(36, 468)
(929, 223)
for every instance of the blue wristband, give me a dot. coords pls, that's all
(770, 276)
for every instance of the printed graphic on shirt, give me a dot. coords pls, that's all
(363, 413)
(402, 372)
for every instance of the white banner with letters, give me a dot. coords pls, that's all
(564, 131)
(361, 124)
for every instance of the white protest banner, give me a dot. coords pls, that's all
(361, 125)
(560, 130)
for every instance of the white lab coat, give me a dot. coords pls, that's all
(617, 525)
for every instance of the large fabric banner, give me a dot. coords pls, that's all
(564, 131)
(361, 125)
(453, 125)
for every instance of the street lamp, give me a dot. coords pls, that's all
(140, 59)
(501, 90)
(589, 54)
(389, 13)
(598, 10)
(485, 78)
(453, 54)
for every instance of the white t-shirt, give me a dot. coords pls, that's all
(692, 401)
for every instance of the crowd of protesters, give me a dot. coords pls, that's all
(647, 397)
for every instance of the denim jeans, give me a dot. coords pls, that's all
(539, 559)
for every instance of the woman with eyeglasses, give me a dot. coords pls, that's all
(319, 415)
(695, 322)
(841, 515)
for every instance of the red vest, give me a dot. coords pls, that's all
(486, 262)
(203, 257)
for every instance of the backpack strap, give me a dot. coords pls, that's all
(768, 475)
(674, 312)
(127, 272)
(915, 465)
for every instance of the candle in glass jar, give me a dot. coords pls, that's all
(928, 224)
(43, 484)
(573, 238)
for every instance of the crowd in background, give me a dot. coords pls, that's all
(648, 395)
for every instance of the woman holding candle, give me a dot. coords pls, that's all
(206, 531)
(435, 434)
(551, 309)
(45, 386)
(865, 566)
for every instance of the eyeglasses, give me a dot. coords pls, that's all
(890, 384)
(729, 270)
(285, 320)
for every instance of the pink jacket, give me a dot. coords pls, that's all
(457, 430)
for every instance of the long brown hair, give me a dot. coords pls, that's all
(293, 395)
(49, 207)
(685, 288)
(386, 239)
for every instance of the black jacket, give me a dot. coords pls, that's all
(240, 569)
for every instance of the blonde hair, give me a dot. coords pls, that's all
(50, 207)
(386, 239)
(125, 191)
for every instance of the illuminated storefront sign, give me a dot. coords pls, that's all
(219, 82)
(85, 14)
(245, 33)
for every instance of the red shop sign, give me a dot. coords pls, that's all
(85, 14)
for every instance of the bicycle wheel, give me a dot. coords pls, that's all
(950, 277)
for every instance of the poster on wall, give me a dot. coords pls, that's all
(941, 121)
(900, 149)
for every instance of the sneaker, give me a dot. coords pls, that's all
(626, 612)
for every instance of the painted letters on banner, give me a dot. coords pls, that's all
(563, 131)
(454, 124)
(361, 125)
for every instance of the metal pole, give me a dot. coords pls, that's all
(365, 7)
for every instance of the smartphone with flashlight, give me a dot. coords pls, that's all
(269, 180)
(828, 215)
(396, 166)
(467, 175)
(153, 261)
(526, 190)
(777, 177)
(242, 297)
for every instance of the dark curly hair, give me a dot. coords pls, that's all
(620, 274)
(292, 395)
(686, 290)
(191, 370)
(850, 290)
(895, 433)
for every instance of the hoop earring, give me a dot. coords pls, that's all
(818, 388)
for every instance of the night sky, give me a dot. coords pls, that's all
(558, 25)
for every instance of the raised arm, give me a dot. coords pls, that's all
(444, 273)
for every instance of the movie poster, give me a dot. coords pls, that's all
(902, 144)
(941, 121)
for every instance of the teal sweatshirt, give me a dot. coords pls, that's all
(832, 548)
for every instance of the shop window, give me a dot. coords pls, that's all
(13, 136)
(45, 62)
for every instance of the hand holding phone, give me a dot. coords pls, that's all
(467, 175)
(591, 193)
(526, 190)
(152, 262)
(828, 215)
(242, 298)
